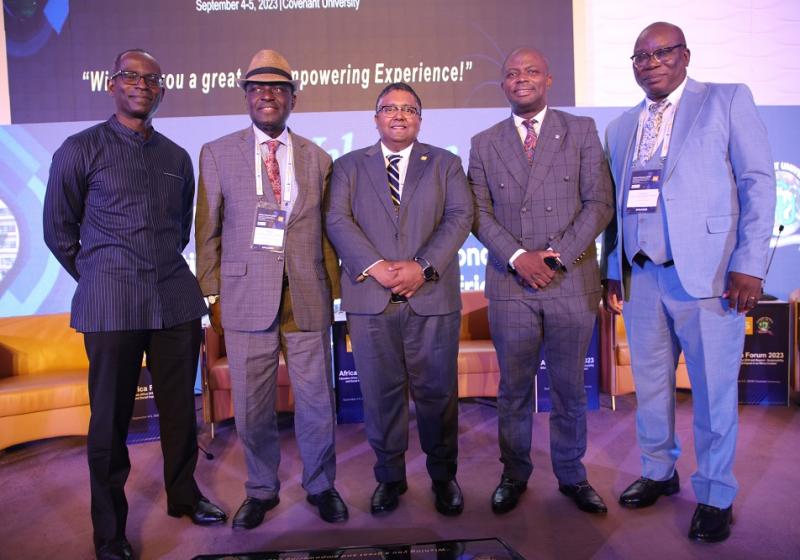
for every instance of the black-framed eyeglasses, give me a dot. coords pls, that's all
(255, 88)
(661, 55)
(132, 78)
(391, 110)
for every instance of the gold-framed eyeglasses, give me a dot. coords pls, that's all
(663, 54)
(392, 110)
(132, 78)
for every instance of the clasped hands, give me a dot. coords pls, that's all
(532, 270)
(402, 277)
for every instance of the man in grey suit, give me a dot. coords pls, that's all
(542, 195)
(398, 211)
(695, 210)
(264, 263)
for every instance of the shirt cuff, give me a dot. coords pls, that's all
(517, 253)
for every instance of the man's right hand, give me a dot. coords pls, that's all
(612, 296)
(383, 274)
(215, 315)
(530, 266)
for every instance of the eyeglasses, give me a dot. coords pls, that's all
(391, 110)
(274, 89)
(132, 78)
(661, 55)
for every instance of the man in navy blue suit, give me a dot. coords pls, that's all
(117, 214)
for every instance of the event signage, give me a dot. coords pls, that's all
(764, 375)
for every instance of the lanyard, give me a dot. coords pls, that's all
(287, 177)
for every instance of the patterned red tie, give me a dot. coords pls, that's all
(273, 169)
(530, 138)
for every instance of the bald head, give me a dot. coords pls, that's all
(663, 58)
(526, 51)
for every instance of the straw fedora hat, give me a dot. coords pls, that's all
(268, 66)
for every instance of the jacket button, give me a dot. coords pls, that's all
(280, 259)
(524, 210)
(549, 208)
(566, 177)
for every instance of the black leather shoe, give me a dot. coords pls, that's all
(252, 511)
(330, 504)
(645, 491)
(711, 524)
(507, 494)
(387, 496)
(118, 549)
(585, 497)
(202, 513)
(449, 499)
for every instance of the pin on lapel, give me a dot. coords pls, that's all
(423, 158)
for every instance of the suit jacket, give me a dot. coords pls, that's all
(718, 188)
(432, 222)
(562, 200)
(249, 281)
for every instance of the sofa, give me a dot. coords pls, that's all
(616, 376)
(478, 370)
(43, 379)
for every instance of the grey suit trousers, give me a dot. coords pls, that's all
(519, 328)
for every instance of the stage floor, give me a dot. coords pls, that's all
(45, 497)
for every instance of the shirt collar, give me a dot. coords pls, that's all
(673, 97)
(122, 129)
(538, 117)
(405, 152)
(262, 136)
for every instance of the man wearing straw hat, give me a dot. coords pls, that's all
(269, 275)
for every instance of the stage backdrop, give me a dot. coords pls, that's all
(343, 52)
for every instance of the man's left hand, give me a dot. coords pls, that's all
(743, 291)
(409, 277)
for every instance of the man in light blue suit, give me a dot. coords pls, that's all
(695, 198)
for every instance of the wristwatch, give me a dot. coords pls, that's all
(428, 272)
(212, 299)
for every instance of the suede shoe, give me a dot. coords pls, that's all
(202, 513)
(331, 506)
(711, 524)
(252, 511)
(449, 499)
(645, 491)
(117, 549)
(585, 497)
(506, 495)
(387, 496)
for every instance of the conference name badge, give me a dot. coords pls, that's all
(269, 232)
(644, 192)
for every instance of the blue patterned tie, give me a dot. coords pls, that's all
(394, 178)
(647, 145)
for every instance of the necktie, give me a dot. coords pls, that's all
(273, 169)
(530, 138)
(652, 125)
(394, 178)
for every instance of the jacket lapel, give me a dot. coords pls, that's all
(302, 175)
(376, 171)
(551, 137)
(510, 151)
(625, 147)
(247, 147)
(417, 162)
(689, 108)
